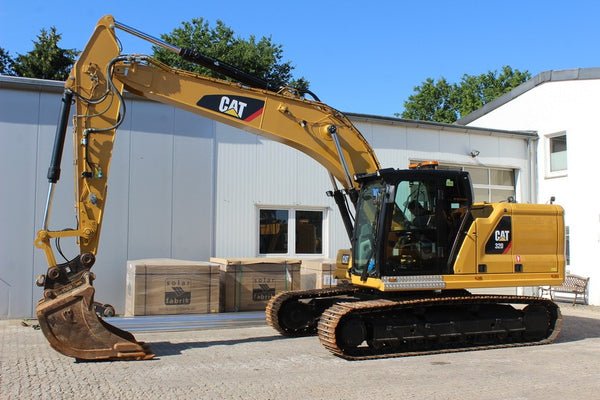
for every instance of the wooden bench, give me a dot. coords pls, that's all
(573, 284)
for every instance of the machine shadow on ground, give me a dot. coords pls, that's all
(573, 329)
(163, 349)
(578, 328)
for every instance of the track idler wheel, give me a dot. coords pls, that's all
(297, 316)
(352, 333)
(537, 322)
(72, 327)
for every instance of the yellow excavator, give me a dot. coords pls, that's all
(418, 240)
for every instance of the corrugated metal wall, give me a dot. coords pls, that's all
(255, 172)
(160, 200)
(183, 186)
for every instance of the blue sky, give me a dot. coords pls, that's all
(359, 56)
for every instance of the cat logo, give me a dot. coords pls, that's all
(502, 236)
(500, 240)
(233, 107)
(239, 107)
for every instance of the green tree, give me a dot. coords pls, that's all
(46, 60)
(476, 91)
(261, 58)
(432, 101)
(6, 63)
(441, 101)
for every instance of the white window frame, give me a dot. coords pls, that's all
(547, 155)
(292, 231)
(489, 187)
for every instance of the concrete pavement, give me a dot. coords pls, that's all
(254, 362)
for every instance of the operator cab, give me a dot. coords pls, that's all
(408, 221)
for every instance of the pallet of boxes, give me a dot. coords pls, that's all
(319, 274)
(247, 284)
(166, 286)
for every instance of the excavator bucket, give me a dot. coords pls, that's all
(71, 325)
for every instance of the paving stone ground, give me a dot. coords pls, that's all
(257, 363)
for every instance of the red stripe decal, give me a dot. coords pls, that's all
(256, 114)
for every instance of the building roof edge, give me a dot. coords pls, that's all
(539, 79)
(50, 86)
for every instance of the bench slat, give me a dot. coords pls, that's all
(573, 284)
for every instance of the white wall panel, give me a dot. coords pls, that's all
(237, 179)
(390, 143)
(454, 145)
(150, 181)
(423, 142)
(19, 113)
(278, 169)
(193, 187)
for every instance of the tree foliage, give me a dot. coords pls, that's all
(261, 58)
(7, 64)
(441, 101)
(46, 60)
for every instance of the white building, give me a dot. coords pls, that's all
(186, 187)
(562, 106)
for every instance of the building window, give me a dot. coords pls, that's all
(274, 231)
(291, 231)
(490, 185)
(309, 232)
(557, 154)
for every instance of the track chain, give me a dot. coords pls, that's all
(331, 318)
(274, 306)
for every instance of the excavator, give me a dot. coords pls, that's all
(419, 243)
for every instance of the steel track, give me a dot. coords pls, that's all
(276, 303)
(335, 315)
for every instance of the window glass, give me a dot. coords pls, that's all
(309, 232)
(478, 175)
(481, 195)
(502, 177)
(411, 245)
(489, 184)
(291, 231)
(417, 201)
(558, 153)
(367, 216)
(498, 195)
(274, 231)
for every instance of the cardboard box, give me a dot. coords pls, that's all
(318, 274)
(168, 286)
(247, 284)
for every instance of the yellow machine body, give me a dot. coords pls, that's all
(530, 252)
